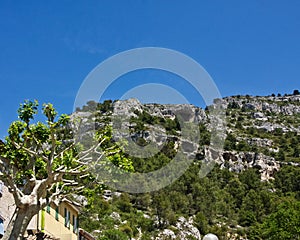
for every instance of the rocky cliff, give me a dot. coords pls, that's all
(255, 126)
(261, 133)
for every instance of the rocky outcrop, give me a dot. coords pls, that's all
(255, 123)
(262, 113)
(186, 229)
(188, 112)
(183, 229)
(287, 105)
(127, 107)
(255, 141)
(240, 161)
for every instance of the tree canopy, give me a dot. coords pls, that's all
(41, 162)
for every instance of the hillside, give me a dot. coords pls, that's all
(254, 183)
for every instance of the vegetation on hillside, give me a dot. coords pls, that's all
(229, 204)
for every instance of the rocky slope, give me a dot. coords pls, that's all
(253, 121)
(258, 132)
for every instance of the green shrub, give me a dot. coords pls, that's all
(113, 235)
(127, 230)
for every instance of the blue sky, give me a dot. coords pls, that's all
(47, 48)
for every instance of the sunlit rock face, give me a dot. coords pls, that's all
(263, 115)
(183, 229)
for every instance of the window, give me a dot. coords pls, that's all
(65, 215)
(67, 218)
(75, 224)
(57, 213)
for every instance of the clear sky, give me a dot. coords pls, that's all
(48, 47)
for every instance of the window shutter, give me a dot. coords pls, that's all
(48, 208)
(57, 213)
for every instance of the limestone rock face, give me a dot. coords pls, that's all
(237, 162)
(166, 234)
(255, 141)
(187, 112)
(263, 114)
(277, 105)
(184, 229)
(127, 107)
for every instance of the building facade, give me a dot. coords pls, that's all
(57, 221)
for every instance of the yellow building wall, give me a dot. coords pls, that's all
(50, 225)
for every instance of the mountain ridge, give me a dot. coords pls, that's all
(256, 171)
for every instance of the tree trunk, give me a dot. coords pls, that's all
(18, 225)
